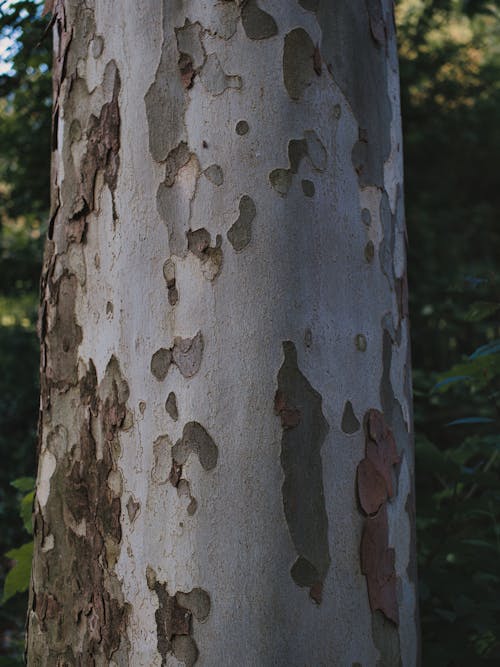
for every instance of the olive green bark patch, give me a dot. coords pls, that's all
(298, 63)
(304, 431)
(257, 23)
(240, 233)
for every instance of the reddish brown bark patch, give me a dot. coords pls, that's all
(375, 488)
(378, 565)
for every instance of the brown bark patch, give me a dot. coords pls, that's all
(174, 620)
(375, 488)
(103, 150)
(378, 565)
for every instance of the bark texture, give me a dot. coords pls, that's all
(225, 464)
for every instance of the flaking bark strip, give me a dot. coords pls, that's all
(81, 595)
(174, 620)
(305, 428)
(375, 488)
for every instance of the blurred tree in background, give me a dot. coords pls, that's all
(450, 85)
(25, 99)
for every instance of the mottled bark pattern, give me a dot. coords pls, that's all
(223, 299)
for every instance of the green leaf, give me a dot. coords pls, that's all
(26, 510)
(471, 420)
(481, 310)
(18, 578)
(24, 484)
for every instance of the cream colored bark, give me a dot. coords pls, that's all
(225, 472)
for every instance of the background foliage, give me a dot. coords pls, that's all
(450, 84)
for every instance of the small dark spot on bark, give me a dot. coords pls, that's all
(317, 61)
(369, 251)
(366, 217)
(171, 406)
(242, 127)
(304, 431)
(204, 144)
(186, 70)
(175, 474)
(257, 23)
(360, 342)
(196, 440)
(109, 308)
(350, 423)
(298, 62)
(240, 233)
(142, 407)
(132, 508)
(308, 338)
(308, 188)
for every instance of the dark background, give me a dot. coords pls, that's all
(450, 88)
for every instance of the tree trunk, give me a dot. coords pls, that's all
(225, 465)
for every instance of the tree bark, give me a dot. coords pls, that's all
(225, 465)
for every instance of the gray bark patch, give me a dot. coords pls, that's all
(186, 354)
(240, 233)
(196, 440)
(357, 60)
(310, 147)
(298, 62)
(215, 174)
(304, 431)
(257, 23)
(213, 77)
(210, 256)
(165, 105)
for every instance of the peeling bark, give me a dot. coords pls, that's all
(226, 179)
